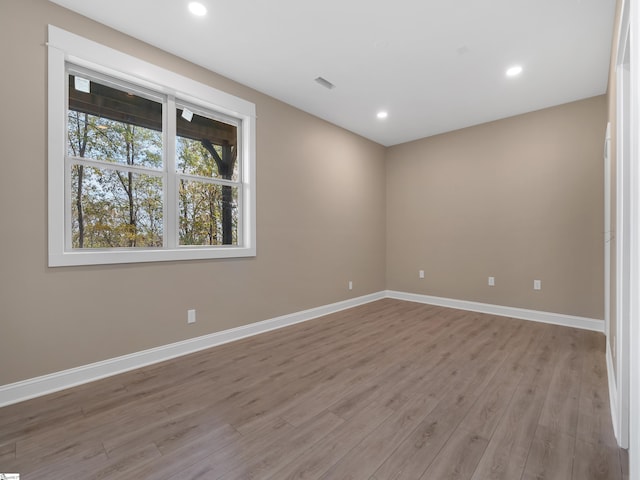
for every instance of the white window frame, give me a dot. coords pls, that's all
(65, 47)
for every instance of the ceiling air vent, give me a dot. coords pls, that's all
(325, 83)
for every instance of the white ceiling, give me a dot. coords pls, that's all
(434, 65)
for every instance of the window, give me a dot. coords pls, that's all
(144, 164)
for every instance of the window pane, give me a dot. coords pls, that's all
(208, 214)
(112, 125)
(206, 147)
(112, 208)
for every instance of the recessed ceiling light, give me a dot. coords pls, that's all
(197, 9)
(514, 71)
(382, 115)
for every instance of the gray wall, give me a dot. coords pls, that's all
(518, 199)
(320, 223)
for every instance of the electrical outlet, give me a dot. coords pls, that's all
(191, 316)
(537, 284)
(491, 281)
(350, 285)
(420, 273)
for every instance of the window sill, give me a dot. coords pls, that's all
(105, 257)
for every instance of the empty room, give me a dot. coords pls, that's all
(343, 240)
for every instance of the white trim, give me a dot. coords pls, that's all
(613, 392)
(80, 51)
(64, 47)
(633, 358)
(624, 224)
(38, 386)
(608, 234)
(35, 387)
(592, 324)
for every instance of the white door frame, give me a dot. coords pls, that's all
(633, 357)
(623, 227)
(608, 237)
(628, 233)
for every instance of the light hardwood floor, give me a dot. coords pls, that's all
(388, 390)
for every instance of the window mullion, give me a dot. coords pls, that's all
(240, 207)
(212, 180)
(67, 205)
(171, 182)
(67, 175)
(89, 162)
(82, 76)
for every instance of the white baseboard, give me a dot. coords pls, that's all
(513, 312)
(613, 393)
(35, 387)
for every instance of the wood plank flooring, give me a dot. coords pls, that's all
(389, 390)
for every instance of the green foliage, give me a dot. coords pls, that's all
(115, 208)
(200, 203)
